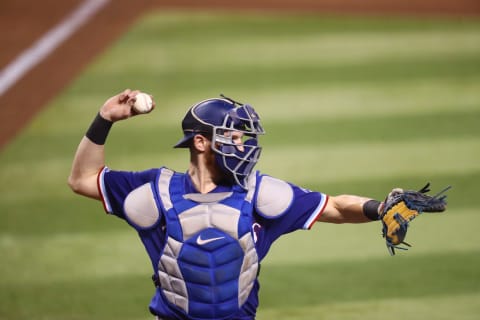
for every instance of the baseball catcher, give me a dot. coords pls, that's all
(207, 229)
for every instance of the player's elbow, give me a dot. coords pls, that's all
(79, 184)
(74, 184)
(84, 185)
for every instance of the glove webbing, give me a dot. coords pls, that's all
(425, 203)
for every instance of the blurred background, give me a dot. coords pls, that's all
(355, 98)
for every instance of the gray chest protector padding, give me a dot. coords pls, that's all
(274, 197)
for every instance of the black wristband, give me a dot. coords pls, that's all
(98, 131)
(370, 209)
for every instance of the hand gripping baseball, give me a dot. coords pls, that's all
(121, 106)
(401, 207)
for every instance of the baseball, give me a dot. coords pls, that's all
(143, 103)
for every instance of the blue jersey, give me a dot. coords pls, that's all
(143, 199)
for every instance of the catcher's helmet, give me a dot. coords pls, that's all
(218, 118)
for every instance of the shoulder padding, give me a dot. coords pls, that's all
(274, 197)
(140, 207)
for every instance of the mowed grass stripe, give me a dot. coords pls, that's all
(374, 128)
(462, 195)
(440, 275)
(363, 100)
(125, 297)
(350, 161)
(277, 50)
(176, 25)
(277, 77)
(459, 306)
(303, 286)
(331, 243)
(324, 42)
(85, 255)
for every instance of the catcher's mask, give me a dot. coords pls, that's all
(220, 118)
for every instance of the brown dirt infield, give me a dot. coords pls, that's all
(24, 21)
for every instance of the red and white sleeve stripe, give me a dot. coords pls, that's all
(316, 213)
(101, 189)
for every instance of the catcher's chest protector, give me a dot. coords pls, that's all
(209, 263)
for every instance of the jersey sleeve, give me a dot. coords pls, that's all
(115, 186)
(305, 208)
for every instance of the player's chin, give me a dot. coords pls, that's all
(222, 177)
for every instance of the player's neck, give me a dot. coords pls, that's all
(204, 171)
(202, 178)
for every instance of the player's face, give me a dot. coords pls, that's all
(231, 138)
(237, 139)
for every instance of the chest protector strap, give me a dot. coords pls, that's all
(209, 262)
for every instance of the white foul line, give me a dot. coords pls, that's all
(48, 43)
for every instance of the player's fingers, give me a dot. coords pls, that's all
(381, 207)
(132, 97)
(122, 97)
(133, 93)
(394, 192)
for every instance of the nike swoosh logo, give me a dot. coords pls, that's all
(201, 241)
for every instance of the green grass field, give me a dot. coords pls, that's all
(350, 105)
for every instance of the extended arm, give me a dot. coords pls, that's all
(90, 156)
(350, 209)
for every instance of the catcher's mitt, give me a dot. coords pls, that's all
(401, 207)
